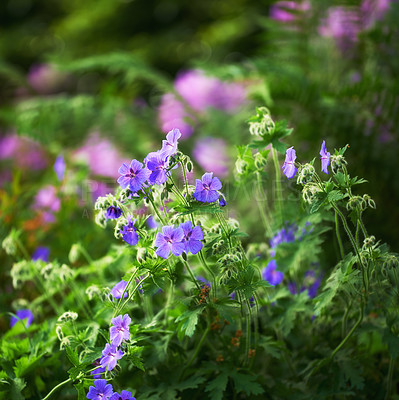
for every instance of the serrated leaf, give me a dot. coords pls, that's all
(217, 386)
(72, 355)
(188, 321)
(246, 383)
(335, 195)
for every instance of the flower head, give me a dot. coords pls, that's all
(133, 176)
(128, 232)
(22, 315)
(289, 168)
(206, 189)
(41, 253)
(192, 237)
(170, 240)
(120, 330)
(324, 157)
(100, 391)
(113, 212)
(271, 275)
(125, 395)
(118, 289)
(157, 163)
(110, 357)
(169, 146)
(311, 283)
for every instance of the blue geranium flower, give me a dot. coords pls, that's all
(271, 275)
(324, 157)
(192, 237)
(206, 189)
(100, 391)
(289, 168)
(133, 176)
(170, 240)
(22, 315)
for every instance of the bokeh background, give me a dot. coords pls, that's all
(85, 86)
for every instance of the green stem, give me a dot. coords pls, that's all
(341, 247)
(350, 333)
(155, 208)
(133, 292)
(248, 328)
(278, 186)
(85, 254)
(345, 319)
(56, 387)
(199, 346)
(134, 273)
(389, 378)
(263, 214)
(191, 274)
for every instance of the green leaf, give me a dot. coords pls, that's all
(188, 321)
(72, 355)
(17, 386)
(217, 386)
(272, 347)
(246, 383)
(335, 196)
(25, 364)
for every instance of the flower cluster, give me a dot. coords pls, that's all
(184, 238)
(103, 390)
(311, 283)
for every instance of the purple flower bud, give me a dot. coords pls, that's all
(289, 168)
(324, 157)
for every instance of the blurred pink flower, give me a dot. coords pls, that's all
(101, 156)
(343, 24)
(200, 92)
(211, 154)
(26, 153)
(46, 199)
(374, 10)
(287, 11)
(45, 78)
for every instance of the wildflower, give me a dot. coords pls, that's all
(289, 168)
(97, 372)
(41, 253)
(271, 275)
(100, 391)
(151, 223)
(120, 330)
(59, 167)
(22, 315)
(170, 240)
(312, 283)
(125, 395)
(113, 212)
(324, 157)
(287, 11)
(192, 237)
(128, 232)
(284, 235)
(133, 176)
(206, 188)
(46, 199)
(110, 357)
(169, 146)
(222, 202)
(305, 174)
(157, 163)
(118, 289)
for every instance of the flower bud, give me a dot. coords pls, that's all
(309, 192)
(369, 200)
(241, 166)
(368, 242)
(74, 253)
(305, 174)
(337, 163)
(356, 203)
(260, 161)
(67, 317)
(262, 124)
(101, 220)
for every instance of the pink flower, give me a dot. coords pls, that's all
(45, 78)
(287, 11)
(46, 199)
(101, 156)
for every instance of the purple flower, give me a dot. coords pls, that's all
(222, 202)
(286, 11)
(312, 283)
(170, 240)
(151, 223)
(284, 235)
(97, 372)
(211, 154)
(342, 24)
(324, 157)
(46, 199)
(374, 10)
(157, 163)
(271, 275)
(172, 114)
(134, 176)
(192, 237)
(202, 279)
(292, 288)
(118, 289)
(100, 155)
(59, 167)
(45, 78)
(125, 395)
(20, 316)
(100, 391)
(113, 212)
(289, 168)
(110, 357)
(41, 253)
(120, 330)
(206, 189)
(169, 146)
(128, 232)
